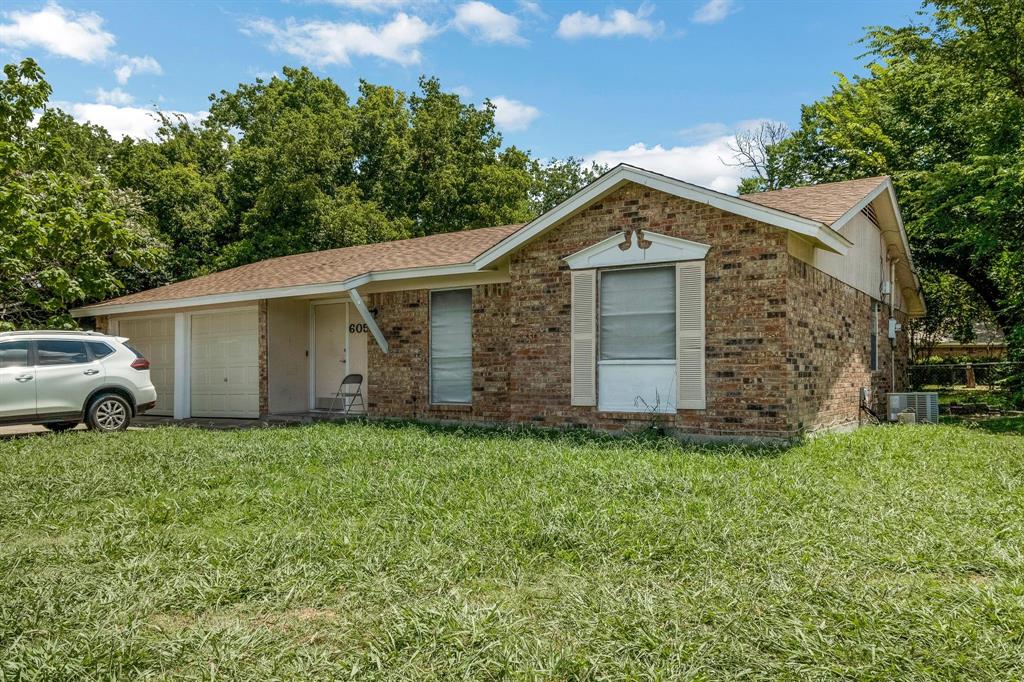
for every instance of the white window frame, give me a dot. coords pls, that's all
(670, 406)
(430, 349)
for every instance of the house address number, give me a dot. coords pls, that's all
(359, 328)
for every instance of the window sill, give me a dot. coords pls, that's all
(612, 363)
(453, 407)
(614, 414)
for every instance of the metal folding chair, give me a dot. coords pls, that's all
(349, 391)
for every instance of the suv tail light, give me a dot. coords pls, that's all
(140, 363)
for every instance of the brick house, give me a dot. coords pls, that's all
(640, 299)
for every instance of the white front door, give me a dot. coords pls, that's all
(17, 380)
(225, 364)
(154, 338)
(329, 329)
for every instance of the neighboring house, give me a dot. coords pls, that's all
(641, 298)
(989, 344)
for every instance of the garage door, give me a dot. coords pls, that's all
(154, 338)
(225, 364)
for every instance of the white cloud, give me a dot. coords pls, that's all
(463, 91)
(530, 7)
(121, 121)
(511, 114)
(116, 96)
(487, 23)
(617, 23)
(701, 164)
(330, 42)
(713, 11)
(78, 35)
(132, 66)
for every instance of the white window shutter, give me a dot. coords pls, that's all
(583, 367)
(690, 335)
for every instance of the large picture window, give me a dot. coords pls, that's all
(638, 319)
(637, 340)
(451, 346)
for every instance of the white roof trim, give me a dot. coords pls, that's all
(820, 234)
(609, 252)
(276, 292)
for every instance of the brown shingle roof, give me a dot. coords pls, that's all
(825, 203)
(335, 265)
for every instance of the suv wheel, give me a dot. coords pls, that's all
(108, 412)
(58, 427)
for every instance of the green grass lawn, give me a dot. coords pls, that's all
(408, 552)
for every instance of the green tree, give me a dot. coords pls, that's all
(941, 110)
(558, 179)
(181, 180)
(66, 236)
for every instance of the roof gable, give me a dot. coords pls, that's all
(816, 232)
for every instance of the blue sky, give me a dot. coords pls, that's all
(663, 85)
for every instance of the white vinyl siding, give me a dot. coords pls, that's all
(583, 339)
(451, 346)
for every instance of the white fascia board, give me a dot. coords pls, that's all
(822, 235)
(278, 292)
(212, 299)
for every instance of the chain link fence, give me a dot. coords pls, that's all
(968, 387)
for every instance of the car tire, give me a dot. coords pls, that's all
(59, 427)
(108, 412)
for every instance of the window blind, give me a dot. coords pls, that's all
(451, 346)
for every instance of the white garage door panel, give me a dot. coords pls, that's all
(154, 338)
(225, 364)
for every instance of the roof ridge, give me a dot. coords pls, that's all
(879, 178)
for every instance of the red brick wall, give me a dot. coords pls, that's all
(786, 344)
(398, 383)
(746, 316)
(829, 350)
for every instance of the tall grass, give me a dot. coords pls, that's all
(408, 552)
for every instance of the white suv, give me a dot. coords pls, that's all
(59, 379)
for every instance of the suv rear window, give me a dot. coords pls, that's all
(100, 349)
(60, 352)
(135, 350)
(14, 354)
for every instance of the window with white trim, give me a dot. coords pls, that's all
(637, 339)
(451, 346)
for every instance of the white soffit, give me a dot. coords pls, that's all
(660, 249)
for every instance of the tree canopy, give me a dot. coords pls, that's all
(941, 110)
(67, 236)
(282, 166)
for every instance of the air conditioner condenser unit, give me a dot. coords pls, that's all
(925, 406)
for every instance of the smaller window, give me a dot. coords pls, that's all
(874, 336)
(451, 346)
(14, 354)
(100, 349)
(60, 352)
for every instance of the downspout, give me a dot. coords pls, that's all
(892, 316)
